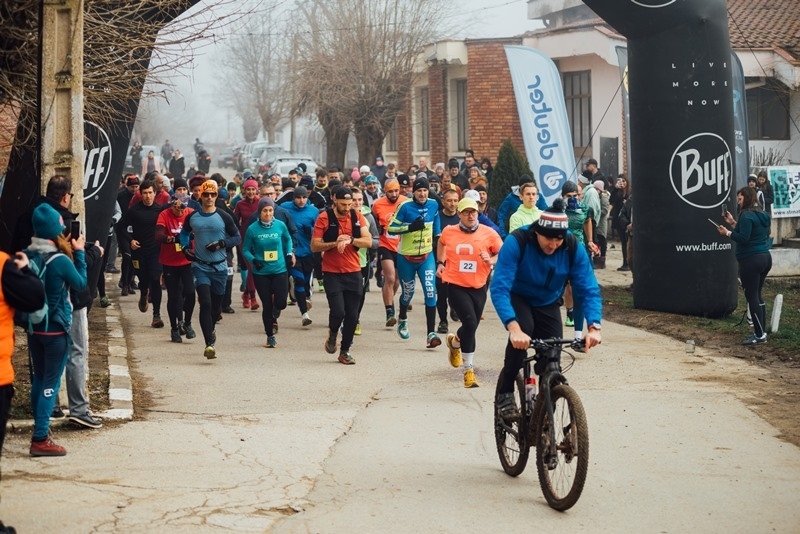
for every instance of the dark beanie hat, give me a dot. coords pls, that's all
(47, 222)
(452, 163)
(524, 179)
(421, 183)
(569, 187)
(179, 182)
(553, 222)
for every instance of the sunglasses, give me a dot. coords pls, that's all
(209, 195)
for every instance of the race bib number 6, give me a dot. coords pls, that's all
(270, 255)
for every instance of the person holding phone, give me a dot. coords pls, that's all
(751, 235)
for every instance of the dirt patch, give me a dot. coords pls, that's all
(98, 381)
(774, 395)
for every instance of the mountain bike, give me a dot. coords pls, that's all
(554, 422)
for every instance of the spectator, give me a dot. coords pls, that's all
(177, 166)
(48, 340)
(602, 225)
(379, 169)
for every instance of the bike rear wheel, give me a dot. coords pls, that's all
(512, 439)
(562, 476)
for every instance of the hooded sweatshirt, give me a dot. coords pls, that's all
(751, 234)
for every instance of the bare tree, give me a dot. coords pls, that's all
(256, 70)
(120, 49)
(358, 64)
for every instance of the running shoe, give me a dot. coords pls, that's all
(507, 407)
(254, 304)
(569, 321)
(320, 286)
(454, 350)
(143, 301)
(577, 345)
(245, 301)
(175, 336)
(345, 358)
(443, 327)
(104, 302)
(402, 329)
(271, 342)
(157, 322)
(433, 341)
(210, 353)
(469, 379)
(357, 331)
(391, 320)
(306, 319)
(190, 333)
(330, 344)
(754, 339)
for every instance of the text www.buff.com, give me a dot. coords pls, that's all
(703, 247)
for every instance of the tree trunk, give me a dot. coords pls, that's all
(370, 142)
(335, 137)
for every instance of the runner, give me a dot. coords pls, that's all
(417, 223)
(304, 215)
(213, 230)
(268, 249)
(177, 269)
(466, 253)
(383, 209)
(363, 253)
(338, 234)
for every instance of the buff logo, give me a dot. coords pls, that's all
(551, 179)
(96, 160)
(700, 170)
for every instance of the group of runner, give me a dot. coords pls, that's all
(439, 236)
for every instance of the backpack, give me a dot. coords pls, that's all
(332, 232)
(27, 319)
(524, 237)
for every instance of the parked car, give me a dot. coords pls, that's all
(268, 154)
(285, 162)
(225, 158)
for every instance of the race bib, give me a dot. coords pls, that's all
(135, 264)
(270, 255)
(468, 266)
(230, 271)
(178, 247)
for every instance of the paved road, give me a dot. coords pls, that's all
(287, 440)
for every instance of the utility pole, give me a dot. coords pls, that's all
(61, 94)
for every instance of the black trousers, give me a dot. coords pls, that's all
(343, 291)
(180, 294)
(539, 323)
(468, 303)
(753, 271)
(273, 290)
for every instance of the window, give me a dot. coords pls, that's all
(462, 134)
(768, 111)
(390, 142)
(578, 99)
(423, 121)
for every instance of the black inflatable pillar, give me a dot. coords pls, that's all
(682, 142)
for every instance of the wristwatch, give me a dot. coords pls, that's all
(596, 326)
(440, 263)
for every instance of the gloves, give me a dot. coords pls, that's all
(258, 264)
(417, 225)
(189, 254)
(216, 245)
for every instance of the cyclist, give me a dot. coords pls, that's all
(533, 265)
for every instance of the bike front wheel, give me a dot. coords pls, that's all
(511, 437)
(562, 464)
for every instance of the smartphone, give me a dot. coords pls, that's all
(712, 222)
(724, 210)
(75, 229)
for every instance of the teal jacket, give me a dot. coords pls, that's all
(61, 276)
(266, 247)
(751, 234)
